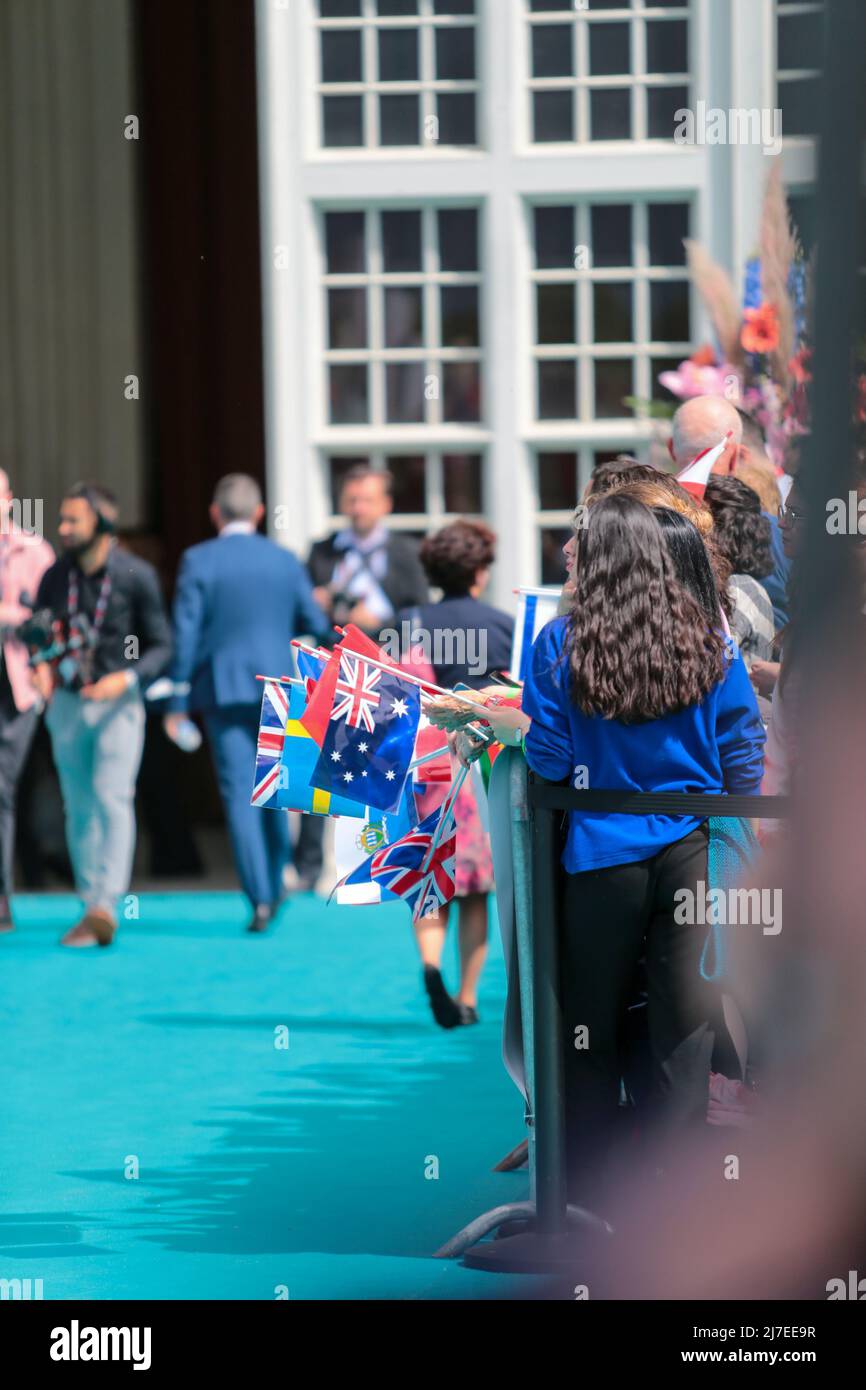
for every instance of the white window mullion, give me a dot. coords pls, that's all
(639, 113)
(432, 317)
(581, 68)
(376, 321)
(435, 483)
(641, 327)
(584, 333)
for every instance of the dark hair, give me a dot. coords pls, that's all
(101, 500)
(358, 471)
(691, 560)
(740, 529)
(639, 644)
(453, 556)
(619, 471)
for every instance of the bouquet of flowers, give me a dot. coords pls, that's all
(761, 358)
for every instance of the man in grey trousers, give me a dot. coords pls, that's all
(112, 617)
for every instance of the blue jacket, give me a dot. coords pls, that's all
(776, 582)
(239, 601)
(714, 746)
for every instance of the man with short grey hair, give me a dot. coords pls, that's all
(239, 601)
(701, 423)
(237, 497)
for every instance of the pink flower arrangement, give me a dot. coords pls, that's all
(699, 377)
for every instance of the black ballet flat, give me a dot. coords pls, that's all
(467, 1014)
(445, 1010)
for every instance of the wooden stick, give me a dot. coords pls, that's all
(427, 687)
(428, 758)
(444, 815)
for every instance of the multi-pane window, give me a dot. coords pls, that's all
(611, 304)
(397, 72)
(606, 69)
(799, 45)
(403, 316)
(430, 487)
(561, 476)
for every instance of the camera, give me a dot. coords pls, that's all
(43, 636)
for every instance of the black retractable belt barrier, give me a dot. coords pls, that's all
(544, 1241)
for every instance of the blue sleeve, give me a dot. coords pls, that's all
(187, 615)
(740, 733)
(309, 617)
(548, 743)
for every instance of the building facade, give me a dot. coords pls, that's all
(473, 215)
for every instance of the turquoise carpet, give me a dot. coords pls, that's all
(262, 1171)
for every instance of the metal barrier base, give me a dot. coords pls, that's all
(525, 1251)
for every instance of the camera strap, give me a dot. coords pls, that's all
(98, 612)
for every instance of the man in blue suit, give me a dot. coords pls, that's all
(239, 601)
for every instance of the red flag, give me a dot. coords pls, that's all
(354, 640)
(695, 476)
(318, 712)
(321, 702)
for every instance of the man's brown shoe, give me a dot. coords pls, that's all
(96, 928)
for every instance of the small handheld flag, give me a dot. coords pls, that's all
(286, 756)
(356, 841)
(408, 869)
(367, 745)
(535, 607)
(695, 476)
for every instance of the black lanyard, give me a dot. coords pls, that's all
(99, 611)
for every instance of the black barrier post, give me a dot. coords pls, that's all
(548, 1100)
(550, 1235)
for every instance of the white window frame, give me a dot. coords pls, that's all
(640, 274)
(436, 513)
(580, 17)
(432, 355)
(732, 48)
(370, 88)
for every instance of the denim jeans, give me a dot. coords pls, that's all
(97, 749)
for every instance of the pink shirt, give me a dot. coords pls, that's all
(24, 558)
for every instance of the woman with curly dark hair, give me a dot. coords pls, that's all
(742, 534)
(635, 689)
(459, 640)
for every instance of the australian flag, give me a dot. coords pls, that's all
(369, 742)
(408, 870)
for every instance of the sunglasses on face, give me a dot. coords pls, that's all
(792, 516)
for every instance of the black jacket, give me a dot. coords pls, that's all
(404, 583)
(135, 609)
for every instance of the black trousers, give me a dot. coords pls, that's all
(309, 854)
(616, 922)
(16, 735)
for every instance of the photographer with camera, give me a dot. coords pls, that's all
(363, 574)
(112, 639)
(24, 558)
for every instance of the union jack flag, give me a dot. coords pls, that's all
(269, 747)
(356, 696)
(407, 868)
